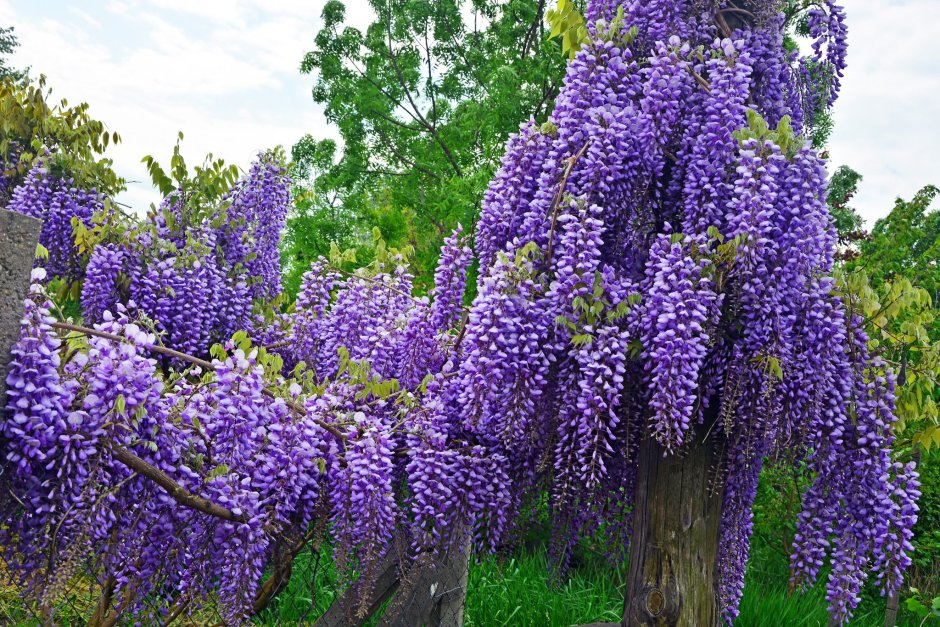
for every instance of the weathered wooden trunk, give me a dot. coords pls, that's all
(407, 594)
(674, 549)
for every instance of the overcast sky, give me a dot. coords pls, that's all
(225, 72)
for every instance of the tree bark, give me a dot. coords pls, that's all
(674, 550)
(432, 594)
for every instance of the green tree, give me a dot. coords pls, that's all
(906, 243)
(9, 43)
(843, 185)
(319, 219)
(893, 280)
(899, 262)
(32, 126)
(424, 101)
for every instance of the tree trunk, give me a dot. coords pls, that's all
(432, 594)
(19, 235)
(674, 550)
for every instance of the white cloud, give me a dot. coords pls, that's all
(226, 73)
(886, 117)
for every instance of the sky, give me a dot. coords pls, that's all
(225, 73)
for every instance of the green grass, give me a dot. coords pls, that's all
(515, 591)
(311, 589)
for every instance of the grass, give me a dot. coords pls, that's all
(310, 591)
(515, 591)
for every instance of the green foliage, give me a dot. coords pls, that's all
(272, 363)
(318, 220)
(781, 136)
(201, 191)
(30, 126)
(843, 185)
(424, 100)
(906, 243)
(924, 607)
(894, 283)
(899, 319)
(9, 43)
(593, 309)
(568, 25)
(925, 570)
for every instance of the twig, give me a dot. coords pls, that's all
(556, 201)
(277, 345)
(700, 80)
(161, 350)
(202, 363)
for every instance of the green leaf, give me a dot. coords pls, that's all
(582, 339)
(219, 470)
(120, 405)
(916, 607)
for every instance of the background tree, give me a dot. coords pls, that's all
(843, 185)
(424, 101)
(906, 243)
(9, 43)
(35, 127)
(897, 280)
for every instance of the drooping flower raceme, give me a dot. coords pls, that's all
(57, 201)
(693, 294)
(654, 259)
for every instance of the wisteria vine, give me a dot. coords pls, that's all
(653, 259)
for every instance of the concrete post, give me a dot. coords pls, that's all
(19, 235)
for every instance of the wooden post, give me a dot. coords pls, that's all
(432, 594)
(424, 593)
(452, 593)
(19, 235)
(674, 550)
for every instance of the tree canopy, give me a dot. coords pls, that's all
(34, 127)
(424, 100)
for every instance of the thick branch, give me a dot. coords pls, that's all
(177, 492)
(104, 602)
